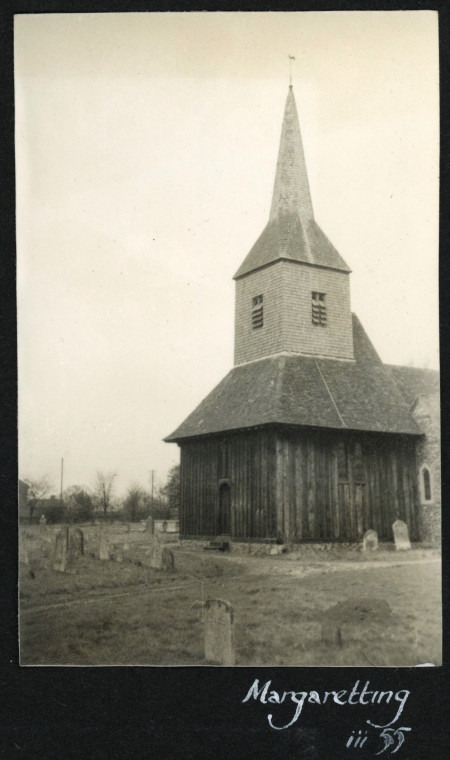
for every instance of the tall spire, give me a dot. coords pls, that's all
(291, 232)
(291, 189)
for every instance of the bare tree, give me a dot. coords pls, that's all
(103, 488)
(37, 489)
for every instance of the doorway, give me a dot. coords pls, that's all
(224, 510)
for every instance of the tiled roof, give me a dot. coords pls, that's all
(290, 389)
(414, 381)
(286, 237)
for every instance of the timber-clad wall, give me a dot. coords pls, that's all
(299, 485)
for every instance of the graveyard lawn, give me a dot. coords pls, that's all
(383, 608)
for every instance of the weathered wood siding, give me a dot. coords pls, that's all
(299, 485)
(247, 463)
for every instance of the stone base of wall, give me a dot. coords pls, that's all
(262, 549)
(431, 522)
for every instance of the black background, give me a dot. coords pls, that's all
(191, 712)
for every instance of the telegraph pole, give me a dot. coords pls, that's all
(62, 475)
(153, 481)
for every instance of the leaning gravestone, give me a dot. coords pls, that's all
(219, 625)
(370, 540)
(103, 548)
(401, 536)
(60, 554)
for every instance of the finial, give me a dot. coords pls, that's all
(291, 58)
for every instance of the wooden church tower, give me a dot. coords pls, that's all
(308, 437)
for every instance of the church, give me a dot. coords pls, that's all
(310, 437)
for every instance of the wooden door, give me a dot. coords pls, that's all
(224, 510)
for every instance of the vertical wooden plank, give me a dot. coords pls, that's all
(287, 490)
(359, 509)
(298, 481)
(318, 507)
(304, 487)
(311, 488)
(344, 502)
(268, 485)
(334, 490)
(264, 494)
(291, 487)
(350, 494)
(371, 480)
(328, 492)
(394, 478)
(279, 485)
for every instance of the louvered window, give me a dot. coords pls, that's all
(257, 312)
(318, 309)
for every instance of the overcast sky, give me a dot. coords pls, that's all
(146, 154)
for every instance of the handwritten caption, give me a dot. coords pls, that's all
(391, 738)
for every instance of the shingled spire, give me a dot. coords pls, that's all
(291, 189)
(292, 232)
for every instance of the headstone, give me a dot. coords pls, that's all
(43, 520)
(370, 540)
(219, 625)
(23, 549)
(60, 554)
(167, 560)
(331, 633)
(401, 535)
(156, 552)
(149, 525)
(76, 543)
(103, 548)
(278, 549)
(164, 526)
(340, 621)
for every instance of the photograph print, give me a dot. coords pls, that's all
(228, 347)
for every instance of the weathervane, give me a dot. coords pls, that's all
(291, 58)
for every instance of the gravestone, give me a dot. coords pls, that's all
(331, 633)
(340, 622)
(43, 520)
(60, 554)
(401, 536)
(156, 552)
(23, 549)
(164, 526)
(370, 540)
(103, 548)
(219, 632)
(149, 525)
(76, 543)
(167, 560)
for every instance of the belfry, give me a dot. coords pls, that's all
(310, 436)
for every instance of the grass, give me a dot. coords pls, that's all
(112, 613)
